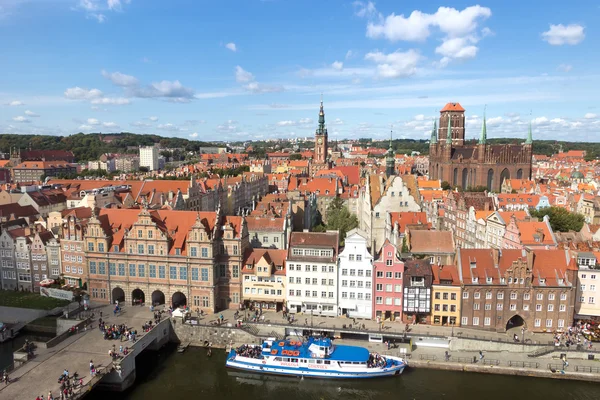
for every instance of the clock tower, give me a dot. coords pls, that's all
(321, 139)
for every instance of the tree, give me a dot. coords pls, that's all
(340, 219)
(445, 185)
(295, 156)
(561, 220)
(404, 245)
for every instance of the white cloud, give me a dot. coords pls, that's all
(286, 123)
(419, 117)
(540, 121)
(116, 5)
(561, 34)
(364, 9)
(30, 113)
(395, 65)
(458, 48)
(115, 101)
(77, 93)
(350, 54)
(21, 118)
(243, 76)
(120, 79)
(558, 120)
(153, 118)
(494, 121)
(169, 127)
(231, 46)
(15, 103)
(590, 116)
(576, 124)
(88, 5)
(337, 121)
(85, 128)
(140, 124)
(193, 135)
(565, 67)
(305, 121)
(229, 126)
(92, 121)
(337, 65)
(110, 125)
(94, 9)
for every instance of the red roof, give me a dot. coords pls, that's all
(452, 107)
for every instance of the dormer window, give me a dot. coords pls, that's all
(474, 279)
(542, 281)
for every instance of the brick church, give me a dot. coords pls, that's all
(471, 165)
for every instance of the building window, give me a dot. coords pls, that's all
(152, 270)
(476, 295)
(204, 252)
(204, 275)
(475, 321)
(90, 247)
(488, 295)
(527, 296)
(548, 323)
(150, 249)
(379, 287)
(562, 308)
(499, 306)
(205, 301)
(141, 270)
(550, 307)
(379, 300)
(112, 269)
(500, 295)
(464, 320)
(551, 296)
(161, 272)
(132, 270)
(92, 267)
(487, 321)
(235, 271)
(121, 269)
(437, 296)
(389, 274)
(561, 323)
(397, 275)
(102, 268)
(513, 296)
(172, 272)
(465, 295)
(140, 249)
(183, 273)
(538, 307)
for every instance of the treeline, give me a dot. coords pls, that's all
(90, 146)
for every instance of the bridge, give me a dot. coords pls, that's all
(40, 375)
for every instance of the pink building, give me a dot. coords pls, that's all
(532, 235)
(389, 272)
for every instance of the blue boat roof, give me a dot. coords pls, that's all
(340, 352)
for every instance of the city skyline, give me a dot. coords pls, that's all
(201, 71)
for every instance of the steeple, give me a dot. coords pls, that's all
(529, 134)
(321, 130)
(483, 138)
(433, 139)
(449, 135)
(390, 161)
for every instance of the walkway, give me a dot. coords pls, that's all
(316, 322)
(40, 375)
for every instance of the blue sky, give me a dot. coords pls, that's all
(251, 69)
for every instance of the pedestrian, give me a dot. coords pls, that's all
(121, 349)
(481, 355)
(91, 368)
(50, 396)
(447, 355)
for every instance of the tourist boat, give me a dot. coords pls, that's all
(317, 358)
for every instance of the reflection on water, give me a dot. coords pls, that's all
(171, 375)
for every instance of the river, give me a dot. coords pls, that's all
(192, 375)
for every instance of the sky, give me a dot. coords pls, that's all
(256, 69)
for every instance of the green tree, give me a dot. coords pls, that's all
(340, 219)
(445, 185)
(404, 245)
(295, 156)
(561, 220)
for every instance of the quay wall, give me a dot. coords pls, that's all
(460, 344)
(218, 336)
(500, 370)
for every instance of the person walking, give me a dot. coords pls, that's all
(481, 355)
(92, 369)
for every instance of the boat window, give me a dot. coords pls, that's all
(286, 359)
(319, 361)
(355, 362)
(277, 358)
(327, 362)
(311, 361)
(294, 360)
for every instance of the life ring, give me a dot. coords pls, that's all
(292, 343)
(296, 353)
(264, 362)
(273, 351)
(281, 344)
(285, 353)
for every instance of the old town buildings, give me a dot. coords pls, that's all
(264, 283)
(355, 277)
(418, 280)
(389, 274)
(313, 273)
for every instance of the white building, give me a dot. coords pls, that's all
(312, 273)
(149, 157)
(355, 277)
(587, 301)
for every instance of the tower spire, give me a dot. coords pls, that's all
(390, 160)
(321, 118)
(433, 139)
(529, 134)
(483, 138)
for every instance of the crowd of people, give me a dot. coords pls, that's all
(249, 351)
(376, 361)
(119, 332)
(573, 336)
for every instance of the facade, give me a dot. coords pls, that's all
(264, 279)
(418, 281)
(388, 284)
(446, 296)
(23, 259)
(464, 165)
(588, 286)
(34, 171)
(321, 157)
(457, 208)
(355, 277)
(127, 164)
(270, 232)
(73, 265)
(7, 261)
(39, 256)
(149, 157)
(159, 256)
(312, 272)
(503, 289)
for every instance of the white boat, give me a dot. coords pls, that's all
(317, 358)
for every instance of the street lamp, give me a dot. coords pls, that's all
(311, 317)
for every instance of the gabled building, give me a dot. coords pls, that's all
(446, 296)
(418, 281)
(7, 261)
(264, 285)
(355, 277)
(504, 289)
(312, 271)
(388, 284)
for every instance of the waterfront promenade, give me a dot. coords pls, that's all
(40, 374)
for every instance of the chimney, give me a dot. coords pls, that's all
(496, 254)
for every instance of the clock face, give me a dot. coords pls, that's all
(320, 141)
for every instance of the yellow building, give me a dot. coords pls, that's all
(446, 296)
(263, 285)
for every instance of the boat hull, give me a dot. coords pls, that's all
(260, 368)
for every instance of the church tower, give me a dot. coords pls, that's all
(321, 138)
(390, 160)
(452, 120)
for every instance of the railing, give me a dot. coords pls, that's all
(585, 368)
(523, 364)
(428, 357)
(491, 362)
(82, 391)
(556, 366)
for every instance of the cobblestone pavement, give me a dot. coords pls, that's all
(40, 375)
